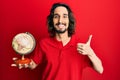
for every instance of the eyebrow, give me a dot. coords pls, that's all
(63, 14)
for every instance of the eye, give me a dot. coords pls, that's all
(65, 16)
(56, 16)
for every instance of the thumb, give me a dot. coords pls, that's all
(89, 40)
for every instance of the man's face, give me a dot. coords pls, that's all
(60, 19)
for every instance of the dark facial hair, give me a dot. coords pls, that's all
(59, 31)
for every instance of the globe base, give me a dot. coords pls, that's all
(23, 61)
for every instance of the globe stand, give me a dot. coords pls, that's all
(23, 60)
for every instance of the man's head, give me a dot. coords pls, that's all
(61, 20)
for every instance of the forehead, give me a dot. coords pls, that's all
(60, 10)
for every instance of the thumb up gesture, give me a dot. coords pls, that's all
(84, 48)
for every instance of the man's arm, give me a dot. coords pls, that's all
(97, 64)
(85, 49)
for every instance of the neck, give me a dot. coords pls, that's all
(63, 37)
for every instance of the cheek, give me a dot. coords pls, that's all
(67, 24)
(67, 21)
(54, 21)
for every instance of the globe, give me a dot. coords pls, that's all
(23, 43)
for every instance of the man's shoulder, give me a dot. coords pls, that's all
(45, 40)
(76, 38)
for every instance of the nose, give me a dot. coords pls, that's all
(60, 20)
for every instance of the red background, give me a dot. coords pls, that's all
(101, 18)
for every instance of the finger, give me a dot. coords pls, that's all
(20, 66)
(15, 58)
(80, 45)
(14, 65)
(80, 48)
(89, 40)
(80, 51)
(31, 63)
(26, 65)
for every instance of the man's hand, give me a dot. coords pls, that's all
(84, 48)
(31, 64)
(20, 66)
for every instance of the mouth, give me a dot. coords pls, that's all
(61, 28)
(61, 25)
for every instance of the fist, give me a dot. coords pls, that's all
(84, 48)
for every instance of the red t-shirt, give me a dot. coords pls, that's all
(62, 62)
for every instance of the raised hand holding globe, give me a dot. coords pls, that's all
(23, 43)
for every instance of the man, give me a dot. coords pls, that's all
(63, 53)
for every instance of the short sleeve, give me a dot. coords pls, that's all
(38, 55)
(86, 62)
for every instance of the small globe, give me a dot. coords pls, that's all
(23, 43)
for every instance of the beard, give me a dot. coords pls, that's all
(60, 31)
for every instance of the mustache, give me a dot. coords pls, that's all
(60, 23)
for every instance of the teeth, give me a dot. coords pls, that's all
(61, 25)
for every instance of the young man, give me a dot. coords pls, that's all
(64, 55)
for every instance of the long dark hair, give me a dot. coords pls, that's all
(71, 27)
